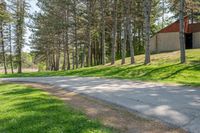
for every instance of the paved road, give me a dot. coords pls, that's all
(176, 105)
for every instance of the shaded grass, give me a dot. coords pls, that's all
(27, 110)
(163, 68)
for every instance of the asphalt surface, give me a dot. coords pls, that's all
(175, 105)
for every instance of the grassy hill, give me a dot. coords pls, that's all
(164, 67)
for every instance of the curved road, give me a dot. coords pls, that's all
(172, 104)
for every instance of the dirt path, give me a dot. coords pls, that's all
(109, 115)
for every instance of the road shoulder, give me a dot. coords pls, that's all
(110, 115)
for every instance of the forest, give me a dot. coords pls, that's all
(72, 34)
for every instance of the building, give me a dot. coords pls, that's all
(167, 39)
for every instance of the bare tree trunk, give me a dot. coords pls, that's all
(192, 16)
(75, 36)
(73, 58)
(48, 61)
(19, 59)
(57, 56)
(18, 42)
(68, 57)
(125, 26)
(99, 52)
(3, 48)
(10, 41)
(95, 53)
(124, 44)
(53, 62)
(20, 31)
(163, 13)
(130, 33)
(92, 52)
(64, 21)
(83, 56)
(182, 32)
(76, 50)
(58, 61)
(147, 14)
(102, 4)
(89, 6)
(67, 39)
(114, 32)
(64, 53)
(132, 53)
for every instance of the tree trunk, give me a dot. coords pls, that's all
(68, 57)
(67, 39)
(20, 31)
(83, 56)
(53, 63)
(132, 53)
(89, 31)
(114, 32)
(102, 4)
(130, 33)
(95, 53)
(125, 26)
(182, 32)
(91, 63)
(64, 43)
(147, 14)
(10, 41)
(73, 58)
(163, 13)
(124, 44)
(48, 61)
(64, 53)
(3, 48)
(75, 36)
(58, 61)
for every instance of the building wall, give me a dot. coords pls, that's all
(163, 42)
(153, 43)
(196, 40)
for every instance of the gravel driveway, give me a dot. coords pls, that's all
(172, 104)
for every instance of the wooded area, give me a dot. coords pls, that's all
(71, 34)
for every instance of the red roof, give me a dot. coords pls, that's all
(174, 27)
(194, 27)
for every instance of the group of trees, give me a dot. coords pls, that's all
(86, 33)
(12, 30)
(69, 34)
(78, 33)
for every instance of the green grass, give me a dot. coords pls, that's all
(28, 110)
(164, 67)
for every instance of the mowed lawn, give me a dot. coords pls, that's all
(28, 110)
(164, 67)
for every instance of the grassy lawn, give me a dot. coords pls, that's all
(164, 67)
(28, 110)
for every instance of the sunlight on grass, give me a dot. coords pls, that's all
(28, 110)
(164, 67)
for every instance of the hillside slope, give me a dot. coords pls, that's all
(164, 67)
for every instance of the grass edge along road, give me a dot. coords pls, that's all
(29, 110)
(165, 67)
(110, 115)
